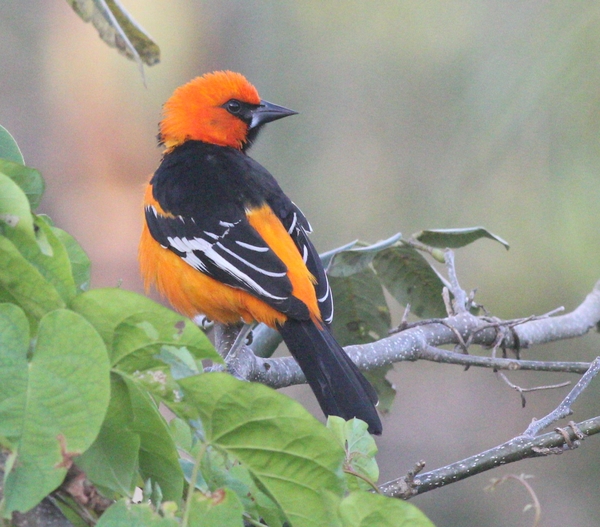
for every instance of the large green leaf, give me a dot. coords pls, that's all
(112, 460)
(66, 397)
(222, 508)
(22, 283)
(360, 450)
(9, 148)
(126, 514)
(158, 459)
(80, 263)
(410, 279)
(14, 344)
(361, 311)
(363, 509)
(29, 180)
(15, 212)
(48, 254)
(135, 328)
(455, 238)
(289, 453)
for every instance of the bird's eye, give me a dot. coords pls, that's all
(234, 106)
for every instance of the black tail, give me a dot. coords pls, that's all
(335, 380)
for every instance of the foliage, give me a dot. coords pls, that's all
(116, 27)
(83, 373)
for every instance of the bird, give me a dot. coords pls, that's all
(222, 239)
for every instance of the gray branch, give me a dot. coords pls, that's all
(526, 445)
(520, 447)
(423, 342)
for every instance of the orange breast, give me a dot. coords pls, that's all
(191, 292)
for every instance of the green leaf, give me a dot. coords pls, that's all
(455, 238)
(29, 180)
(255, 501)
(80, 263)
(158, 457)
(289, 453)
(22, 283)
(15, 212)
(126, 514)
(116, 27)
(327, 257)
(361, 311)
(9, 148)
(47, 253)
(135, 328)
(360, 450)
(181, 434)
(71, 510)
(66, 396)
(14, 344)
(218, 471)
(356, 259)
(410, 279)
(363, 509)
(112, 460)
(221, 509)
(384, 388)
(180, 360)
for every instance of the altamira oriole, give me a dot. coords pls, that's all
(222, 239)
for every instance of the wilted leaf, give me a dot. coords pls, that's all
(455, 238)
(118, 29)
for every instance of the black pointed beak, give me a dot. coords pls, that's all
(267, 112)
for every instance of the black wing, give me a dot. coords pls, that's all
(230, 251)
(298, 227)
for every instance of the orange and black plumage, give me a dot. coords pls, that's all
(222, 239)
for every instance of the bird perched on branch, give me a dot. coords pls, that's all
(222, 239)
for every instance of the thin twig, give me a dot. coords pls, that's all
(518, 448)
(523, 391)
(564, 408)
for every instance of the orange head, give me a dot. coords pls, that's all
(221, 108)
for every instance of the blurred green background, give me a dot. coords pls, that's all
(413, 114)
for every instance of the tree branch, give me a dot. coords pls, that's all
(524, 446)
(520, 447)
(423, 342)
